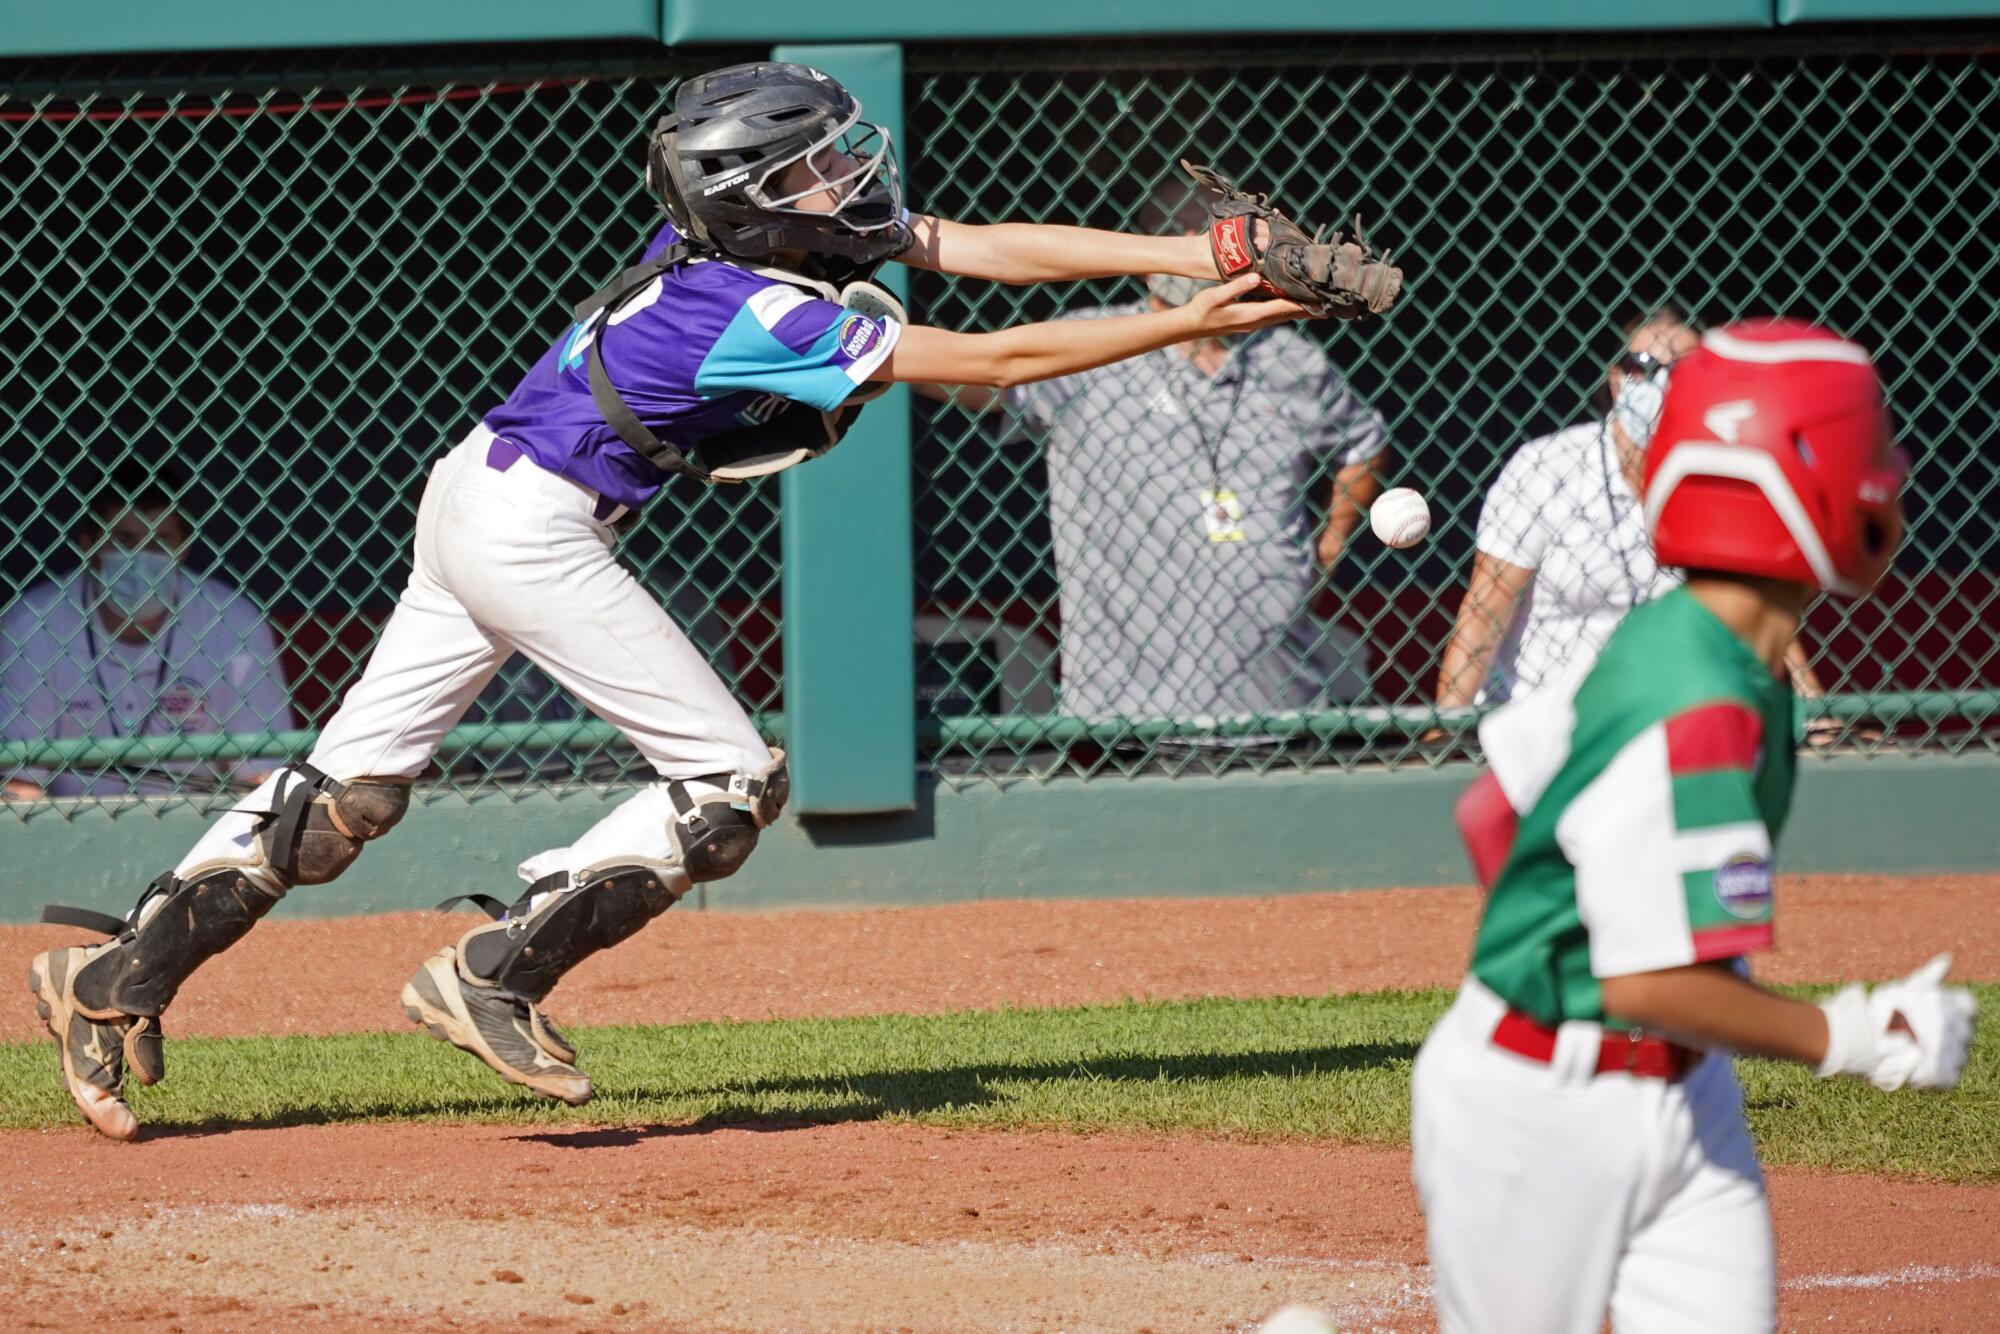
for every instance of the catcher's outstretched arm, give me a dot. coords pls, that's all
(1028, 252)
(1029, 352)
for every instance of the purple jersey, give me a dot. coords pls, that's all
(706, 348)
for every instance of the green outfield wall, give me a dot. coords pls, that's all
(39, 27)
(1241, 834)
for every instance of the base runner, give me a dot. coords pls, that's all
(742, 344)
(1579, 1137)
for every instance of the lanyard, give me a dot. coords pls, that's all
(1211, 448)
(1607, 449)
(97, 677)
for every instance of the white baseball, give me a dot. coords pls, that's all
(1400, 517)
(1299, 1320)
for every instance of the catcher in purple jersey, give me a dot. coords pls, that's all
(743, 343)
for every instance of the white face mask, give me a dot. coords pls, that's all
(139, 584)
(1636, 407)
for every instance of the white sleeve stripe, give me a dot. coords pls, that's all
(1706, 849)
(771, 304)
(1619, 835)
(862, 369)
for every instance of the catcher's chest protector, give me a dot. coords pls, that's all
(788, 437)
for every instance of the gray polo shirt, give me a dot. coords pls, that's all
(1159, 619)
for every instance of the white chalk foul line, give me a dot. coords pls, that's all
(1907, 1276)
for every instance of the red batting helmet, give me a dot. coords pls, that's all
(1773, 457)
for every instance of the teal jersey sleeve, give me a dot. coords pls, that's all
(799, 347)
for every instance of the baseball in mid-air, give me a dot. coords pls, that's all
(1299, 1319)
(1400, 517)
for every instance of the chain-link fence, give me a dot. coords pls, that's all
(247, 307)
(248, 303)
(1131, 572)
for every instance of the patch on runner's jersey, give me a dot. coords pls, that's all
(1743, 886)
(858, 336)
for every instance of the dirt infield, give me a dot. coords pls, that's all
(850, 1227)
(875, 1226)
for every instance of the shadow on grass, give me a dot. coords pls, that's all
(869, 1096)
(484, 1109)
(915, 1093)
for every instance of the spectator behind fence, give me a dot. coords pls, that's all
(136, 644)
(1562, 554)
(1188, 540)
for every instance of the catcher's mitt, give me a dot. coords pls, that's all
(1341, 278)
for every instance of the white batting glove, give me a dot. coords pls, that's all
(1913, 1031)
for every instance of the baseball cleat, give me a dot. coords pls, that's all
(498, 1027)
(550, 1038)
(93, 1050)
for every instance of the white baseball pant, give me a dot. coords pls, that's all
(1552, 1193)
(512, 559)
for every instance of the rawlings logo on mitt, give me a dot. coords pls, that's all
(1341, 278)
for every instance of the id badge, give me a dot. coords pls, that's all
(1222, 515)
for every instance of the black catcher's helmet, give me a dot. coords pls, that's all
(716, 163)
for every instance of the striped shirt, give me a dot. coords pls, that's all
(1628, 820)
(1159, 619)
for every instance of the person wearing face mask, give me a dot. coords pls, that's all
(1562, 553)
(134, 643)
(1197, 497)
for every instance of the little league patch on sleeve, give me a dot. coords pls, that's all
(858, 336)
(1743, 886)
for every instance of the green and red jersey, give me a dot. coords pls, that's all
(1628, 818)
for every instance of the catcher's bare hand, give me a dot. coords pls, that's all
(1218, 310)
(1340, 278)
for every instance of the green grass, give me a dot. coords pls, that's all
(1333, 1067)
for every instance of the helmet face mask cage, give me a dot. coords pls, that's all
(855, 164)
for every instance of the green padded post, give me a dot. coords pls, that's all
(850, 661)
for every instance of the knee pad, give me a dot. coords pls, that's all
(318, 825)
(764, 792)
(560, 921)
(713, 833)
(710, 837)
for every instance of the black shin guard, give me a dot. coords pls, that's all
(528, 949)
(197, 920)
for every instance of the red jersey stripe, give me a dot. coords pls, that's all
(1488, 824)
(1726, 942)
(1725, 735)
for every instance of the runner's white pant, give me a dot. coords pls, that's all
(513, 561)
(1551, 1193)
